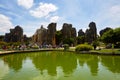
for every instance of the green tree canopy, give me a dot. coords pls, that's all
(117, 35)
(107, 37)
(68, 41)
(80, 39)
(111, 36)
(104, 30)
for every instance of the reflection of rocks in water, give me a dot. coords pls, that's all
(93, 65)
(68, 62)
(14, 61)
(45, 62)
(112, 63)
(83, 58)
(51, 61)
(90, 60)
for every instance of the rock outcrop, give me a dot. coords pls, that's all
(91, 33)
(51, 34)
(81, 33)
(69, 33)
(40, 36)
(66, 30)
(15, 35)
(45, 36)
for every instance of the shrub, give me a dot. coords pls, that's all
(83, 47)
(95, 44)
(66, 47)
(2, 43)
(35, 47)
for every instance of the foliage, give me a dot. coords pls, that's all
(111, 36)
(107, 37)
(66, 47)
(117, 35)
(104, 30)
(2, 43)
(1, 37)
(35, 47)
(95, 44)
(80, 39)
(14, 43)
(83, 47)
(68, 41)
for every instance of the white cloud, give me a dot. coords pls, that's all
(115, 10)
(26, 3)
(108, 16)
(113, 16)
(5, 23)
(43, 10)
(54, 19)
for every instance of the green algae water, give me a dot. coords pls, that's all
(54, 65)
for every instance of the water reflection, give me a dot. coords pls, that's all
(112, 63)
(3, 69)
(50, 62)
(43, 61)
(14, 61)
(91, 61)
(60, 63)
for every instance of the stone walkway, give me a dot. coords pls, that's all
(5, 52)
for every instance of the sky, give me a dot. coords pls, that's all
(31, 14)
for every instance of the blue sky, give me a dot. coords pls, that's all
(31, 14)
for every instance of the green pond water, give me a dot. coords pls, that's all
(55, 65)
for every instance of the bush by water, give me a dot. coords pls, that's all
(83, 47)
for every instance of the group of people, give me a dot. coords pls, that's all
(29, 46)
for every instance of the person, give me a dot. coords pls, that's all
(94, 46)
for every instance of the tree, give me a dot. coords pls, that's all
(107, 37)
(111, 36)
(1, 37)
(58, 36)
(80, 39)
(68, 41)
(117, 35)
(95, 44)
(2, 43)
(104, 30)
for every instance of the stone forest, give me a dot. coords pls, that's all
(42, 36)
(67, 35)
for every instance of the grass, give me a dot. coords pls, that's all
(104, 51)
(107, 50)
